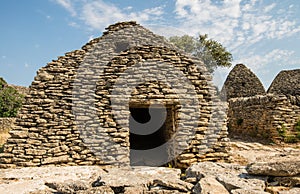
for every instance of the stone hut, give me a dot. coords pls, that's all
(267, 117)
(241, 82)
(126, 98)
(287, 82)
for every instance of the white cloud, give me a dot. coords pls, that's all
(3, 57)
(99, 14)
(74, 24)
(259, 61)
(235, 23)
(67, 4)
(269, 7)
(128, 8)
(166, 31)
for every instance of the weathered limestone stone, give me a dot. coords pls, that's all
(56, 160)
(138, 176)
(69, 186)
(232, 182)
(295, 190)
(209, 185)
(136, 189)
(18, 134)
(245, 191)
(33, 179)
(282, 167)
(35, 152)
(230, 176)
(203, 169)
(174, 185)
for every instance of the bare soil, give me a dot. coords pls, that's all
(243, 152)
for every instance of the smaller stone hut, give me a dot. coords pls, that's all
(287, 83)
(252, 114)
(241, 82)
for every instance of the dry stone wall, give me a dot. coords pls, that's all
(76, 112)
(269, 117)
(262, 117)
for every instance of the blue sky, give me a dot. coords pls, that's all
(262, 34)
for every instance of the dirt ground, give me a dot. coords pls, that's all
(243, 152)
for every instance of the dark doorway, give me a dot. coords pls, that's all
(145, 140)
(149, 129)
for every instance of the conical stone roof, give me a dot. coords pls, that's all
(287, 82)
(241, 82)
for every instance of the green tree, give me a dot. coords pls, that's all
(10, 100)
(211, 52)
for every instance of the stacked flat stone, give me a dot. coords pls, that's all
(261, 117)
(254, 114)
(241, 82)
(68, 116)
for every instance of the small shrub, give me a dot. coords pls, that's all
(297, 129)
(282, 131)
(290, 139)
(297, 126)
(265, 135)
(10, 100)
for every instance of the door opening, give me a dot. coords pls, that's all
(149, 129)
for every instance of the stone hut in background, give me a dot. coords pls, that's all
(273, 116)
(287, 83)
(97, 105)
(241, 82)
